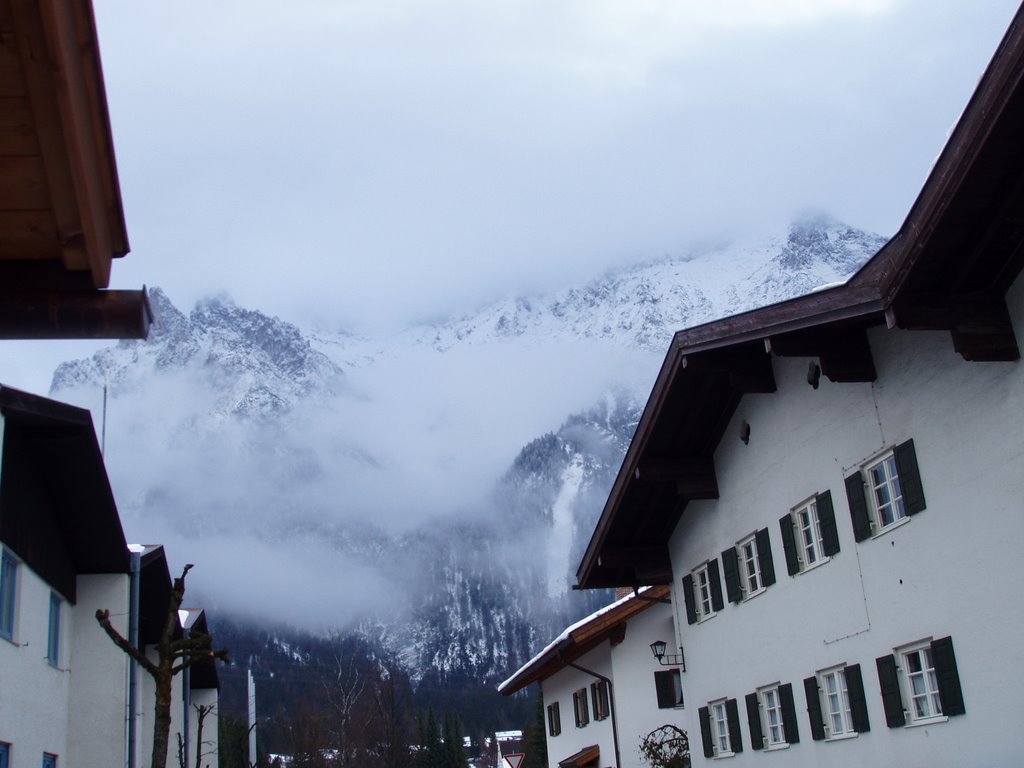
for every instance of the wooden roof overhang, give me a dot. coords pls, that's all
(57, 511)
(61, 218)
(948, 268)
(586, 757)
(583, 638)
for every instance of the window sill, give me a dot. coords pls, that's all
(817, 564)
(891, 527)
(724, 755)
(752, 595)
(776, 747)
(702, 619)
(927, 721)
(842, 737)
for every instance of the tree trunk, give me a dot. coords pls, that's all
(162, 718)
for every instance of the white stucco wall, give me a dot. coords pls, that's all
(631, 668)
(33, 693)
(950, 570)
(99, 677)
(206, 697)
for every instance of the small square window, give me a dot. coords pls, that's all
(5, 754)
(49, 761)
(668, 684)
(554, 719)
(579, 705)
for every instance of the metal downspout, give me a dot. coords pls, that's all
(611, 699)
(186, 700)
(135, 570)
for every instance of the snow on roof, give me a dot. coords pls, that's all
(508, 735)
(566, 633)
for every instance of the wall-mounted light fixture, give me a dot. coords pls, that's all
(658, 648)
(745, 432)
(813, 374)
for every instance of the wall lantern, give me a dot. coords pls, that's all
(658, 648)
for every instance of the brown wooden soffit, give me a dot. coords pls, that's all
(588, 757)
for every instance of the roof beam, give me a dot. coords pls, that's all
(693, 478)
(747, 368)
(75, 315)
(979, 324)
(650, 565)
(844, 353)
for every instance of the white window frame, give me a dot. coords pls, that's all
(9, 567)
(772, 726)
(835, 703)
(719, 716)
(704, 606)
(751, 579)
(919, 686)
(893, 505)
(810, 543)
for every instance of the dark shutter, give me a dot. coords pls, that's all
(764, 557)
(789, 714)
(910, 477)
(735, 735)
(950, 692)
(789, 544)
(858, 702)
(889, 683)
(554, 720)
(731, 570)
(705, 731)
(858, 507)
(814, 708)
(665, 686)
(827, 518)
(688, 598)
(716, 586)
(754, 720)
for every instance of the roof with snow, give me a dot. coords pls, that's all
(948, 268)
(586, 634)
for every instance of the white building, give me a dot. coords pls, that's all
(832, 488)
(603, 689)
(64, 686)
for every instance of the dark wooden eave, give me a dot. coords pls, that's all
(61, 217)
(57, 511)
(607, 626)
(948, 268)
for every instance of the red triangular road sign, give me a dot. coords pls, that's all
(515, 759)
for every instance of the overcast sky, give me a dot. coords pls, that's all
(368, 163)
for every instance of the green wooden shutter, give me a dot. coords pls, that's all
(789, 714)
(889, 683)
(910, 477)
(705, 731)
(950, 692)
(789, 544)
(716, 586)
(827, 518)
(814, 708)
(764, 557)
(731, 570)
(691, 609)
(732, 712)
(665, 687)
(754, 721)
(858, 701)
(858, 507)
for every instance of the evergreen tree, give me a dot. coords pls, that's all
(535, 741)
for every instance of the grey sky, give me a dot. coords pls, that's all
(367, 163)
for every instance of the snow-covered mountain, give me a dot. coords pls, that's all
(394, 484)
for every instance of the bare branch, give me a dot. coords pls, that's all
(103, 617)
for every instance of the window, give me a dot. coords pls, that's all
(53, 637)
(702, 592)
(579, 705)
(835, 703)
(599, 697)
(748, 567)
(720, 728)
(8, 593)
(771, 716)
(920, 683)
(669, 686)
(554, 720)
(885, 491)
(5, 754)
(49, 761)
(809, 533)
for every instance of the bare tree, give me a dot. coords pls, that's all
(173, 656)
